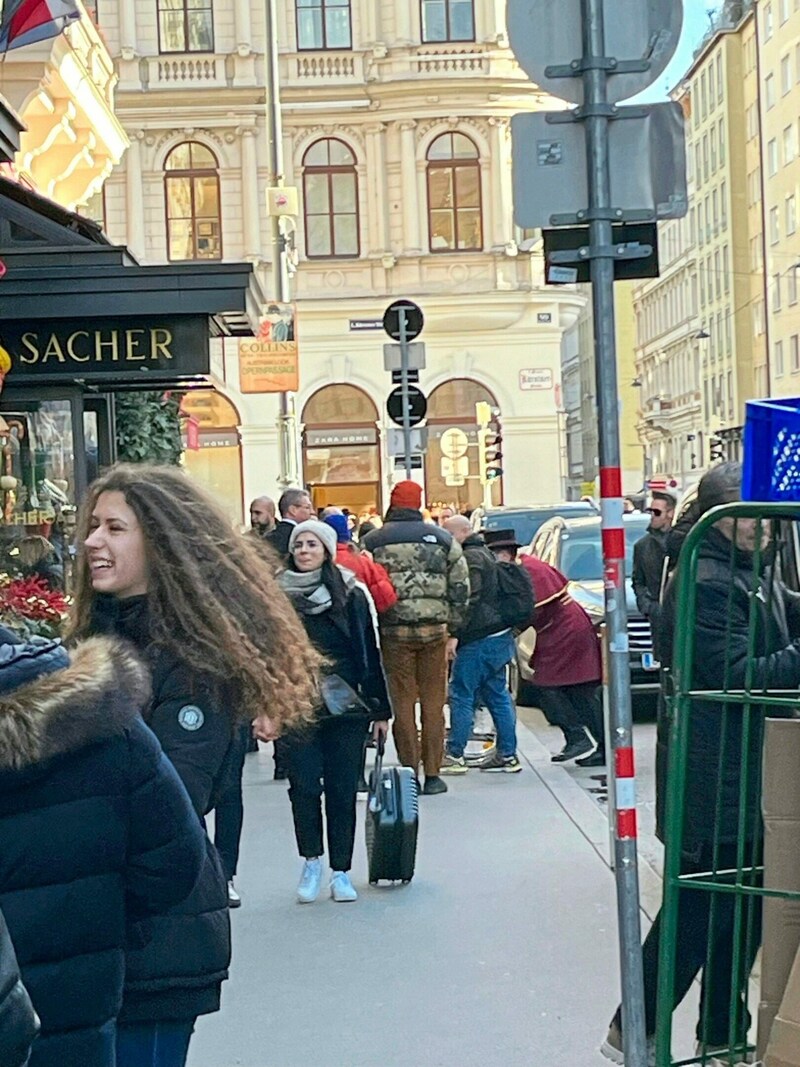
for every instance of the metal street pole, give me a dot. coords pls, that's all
(280, 265)
(404, 358)
(597, 112)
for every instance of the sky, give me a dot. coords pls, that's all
(695, 24)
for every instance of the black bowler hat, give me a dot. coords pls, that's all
(501, 539)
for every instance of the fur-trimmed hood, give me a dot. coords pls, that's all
(96, 697)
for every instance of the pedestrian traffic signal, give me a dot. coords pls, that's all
(490, 454)
(716, 449)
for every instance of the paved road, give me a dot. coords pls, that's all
(502, 951)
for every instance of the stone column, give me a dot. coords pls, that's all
(502, 232)
(250, 193)
(127, 28)
(410, 191)
(134, 196)
(403, 22)
(376, 201)
(244, 26)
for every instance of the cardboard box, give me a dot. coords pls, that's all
(781, 809)
(784, 1043)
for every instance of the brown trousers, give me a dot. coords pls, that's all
(417, 669)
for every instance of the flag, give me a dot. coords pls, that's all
(27, 21)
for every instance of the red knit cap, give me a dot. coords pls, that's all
(407, 495)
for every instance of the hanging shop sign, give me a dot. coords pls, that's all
(269, 363)
(109, 349)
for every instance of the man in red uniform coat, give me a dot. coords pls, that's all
(566, 659)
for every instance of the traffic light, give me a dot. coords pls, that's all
(716, 449)
(490, 454)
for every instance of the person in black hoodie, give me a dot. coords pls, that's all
(160, 565)
(336, 614)
(97, 836)
(716, 809)
(19, 1023)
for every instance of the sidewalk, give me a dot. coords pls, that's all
(503, 950)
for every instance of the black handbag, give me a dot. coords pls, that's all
(340, 698)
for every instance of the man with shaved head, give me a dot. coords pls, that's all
(262, 516)
(481, 650)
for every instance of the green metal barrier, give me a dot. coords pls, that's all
(721, 855)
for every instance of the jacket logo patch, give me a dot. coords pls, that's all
(430, 539)
(191, 718)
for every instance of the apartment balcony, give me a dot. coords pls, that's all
(63, 90)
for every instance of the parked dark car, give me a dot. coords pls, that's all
(574, 547)
(525, 521)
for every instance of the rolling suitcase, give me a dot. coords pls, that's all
(392, 822)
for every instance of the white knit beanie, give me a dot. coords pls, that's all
(325, 533)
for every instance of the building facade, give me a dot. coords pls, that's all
(696, 342)
(778, 72)
(63, 90)
(580, 399)
(396, 134)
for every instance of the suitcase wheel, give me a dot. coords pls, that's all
(373, 881)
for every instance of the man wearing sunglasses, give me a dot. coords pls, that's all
(648, 558)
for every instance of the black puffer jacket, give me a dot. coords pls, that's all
(483, 615)
(97, 836)
(725, 581)
(19, 1024)
(179, 973)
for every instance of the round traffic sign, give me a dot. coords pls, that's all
(543, 34)
(414, 320)
(455, 443)
(417, 403)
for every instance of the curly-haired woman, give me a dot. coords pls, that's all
(336, 614)
(160, 565)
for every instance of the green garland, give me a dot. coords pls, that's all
(148, 428)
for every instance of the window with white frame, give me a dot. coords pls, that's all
(789, 144)
(772, 158)
(778, 362)
(786, 75)
(774, 226)
(794, 353)
(769, 91)
(791, 288)
(791, 214)
(768, 24)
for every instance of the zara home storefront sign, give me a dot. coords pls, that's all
(107, 349)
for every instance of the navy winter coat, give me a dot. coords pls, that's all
(18, 1022)
(180, 971)
(97, 836)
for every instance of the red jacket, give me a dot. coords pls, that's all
(567, 650)
(372, 574)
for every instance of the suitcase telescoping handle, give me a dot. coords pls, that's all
(376, 792)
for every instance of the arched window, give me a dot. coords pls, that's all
(447, 20)
(330, 200)
(454, 195)
(185, 26)
(191, 186)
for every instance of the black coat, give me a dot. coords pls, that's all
(97, 837)
(725, 580)
(649, 554)
(483, 616)
(179, 973)
(349, 642)
(279, 537)
(19, 1023)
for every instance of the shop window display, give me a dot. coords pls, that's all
(37, 514)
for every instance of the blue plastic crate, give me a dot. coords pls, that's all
(772, 450)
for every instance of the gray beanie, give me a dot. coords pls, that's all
(322, 530)
(721, 485)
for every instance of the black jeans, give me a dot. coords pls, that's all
(326, 758)
(571, 707)
(693, 935)
(229, 810)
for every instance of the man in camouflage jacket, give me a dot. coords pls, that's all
(430, 574)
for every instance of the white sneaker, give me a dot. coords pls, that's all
(234, 900)
(310, 881)
(342, 889)
(612, 1047)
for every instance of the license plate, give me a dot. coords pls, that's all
(649, 662)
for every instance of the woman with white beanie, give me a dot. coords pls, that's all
(326, 757)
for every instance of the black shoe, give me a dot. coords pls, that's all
(280, 775)
(573, 750)
(433, 785)
(597, 759)
(362, 786)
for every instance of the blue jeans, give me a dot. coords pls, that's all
(480, 668)
(164, 1044)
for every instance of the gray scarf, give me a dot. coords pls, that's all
(306, 590)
